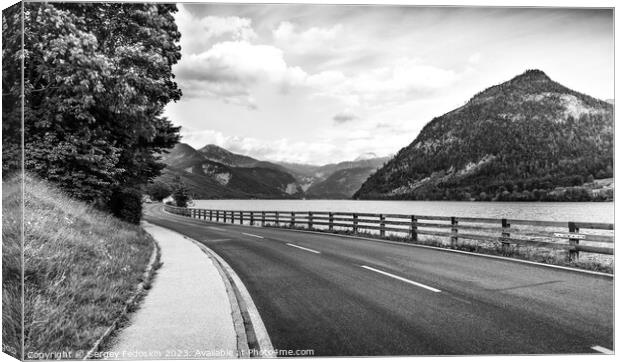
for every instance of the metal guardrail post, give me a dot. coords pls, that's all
(241, 218)
(331, 221)
(413, 230)
(310, 220)
(262, 221)
(292, 219)
(505, 234)
(210, 215)
(381, 225)
(217, 215)
(573, 253)
(252, 218)
(454, 239)
(277, 219)
(354, 223)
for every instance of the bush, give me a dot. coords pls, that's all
(158, 190)
(126, 204)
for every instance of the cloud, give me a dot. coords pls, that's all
(230, 69)
(197, 34)
(382, 86)
(474, 58)
(345, 116)
(312, 40)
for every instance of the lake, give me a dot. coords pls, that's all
(548, 211)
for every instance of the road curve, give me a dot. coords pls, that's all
(352, 297)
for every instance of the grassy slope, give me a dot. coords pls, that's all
(11, 268)
(81, 266)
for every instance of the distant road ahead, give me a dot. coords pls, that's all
(353, 297)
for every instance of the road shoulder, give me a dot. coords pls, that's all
(188, 313)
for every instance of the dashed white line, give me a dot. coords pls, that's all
(302, 248)
(214, 228)
(402, 279)
(602, 350)
(256, 236)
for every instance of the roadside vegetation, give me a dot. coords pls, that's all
(81, 266)
(587, 261)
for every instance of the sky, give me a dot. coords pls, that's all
(327, 83)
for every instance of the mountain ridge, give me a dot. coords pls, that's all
(519, 140)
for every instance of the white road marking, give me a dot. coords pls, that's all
(218, 240)
(214, 228)
(602, 350)
(402, 279)
(256, 236)
(302, 248)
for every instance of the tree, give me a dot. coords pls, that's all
(96, 79)
(158, 190)
(180, 193)
(11, 91)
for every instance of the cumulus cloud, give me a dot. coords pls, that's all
(334, 145)
(383, 85)
(199, 32)
(344, 116)
(274, 150)
(228, 70)
(312, 40)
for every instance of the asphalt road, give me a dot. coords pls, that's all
(352, 297)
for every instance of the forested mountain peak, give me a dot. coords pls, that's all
(519, 140)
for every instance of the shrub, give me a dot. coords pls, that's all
(158, 190)
(126, 204)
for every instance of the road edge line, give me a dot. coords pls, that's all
(260, 331)
(465, 252)
(575, 270)
(262, 337)
(237, 319)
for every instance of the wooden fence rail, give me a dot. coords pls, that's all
(567, 236)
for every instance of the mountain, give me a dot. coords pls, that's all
(221, 155)
(526, 139)
(209, 179)
(341, 184)
(333, 180)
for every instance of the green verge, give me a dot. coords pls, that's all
(536, 254)
(11, 268)
(80, 267)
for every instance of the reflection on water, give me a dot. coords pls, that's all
(548, 211)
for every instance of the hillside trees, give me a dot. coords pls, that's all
(96, 80)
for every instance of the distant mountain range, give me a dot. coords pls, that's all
(526, 139)
(214, 172)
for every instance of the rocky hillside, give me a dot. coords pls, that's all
(341, 184)
(317, 181)
(526, 139)
(209, 179)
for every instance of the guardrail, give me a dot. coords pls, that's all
(567, 236)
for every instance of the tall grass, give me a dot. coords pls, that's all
(80, 267)
(11, 267)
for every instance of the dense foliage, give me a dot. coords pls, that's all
(11, 91)
(527, 139)
(158, 190)
(96, 79)
(180, 193)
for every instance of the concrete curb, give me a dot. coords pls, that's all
(237, 317)
(514, 260)
(147, 276)
(254, 331)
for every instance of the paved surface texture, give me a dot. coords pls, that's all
(354, 297)
(186, 313)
